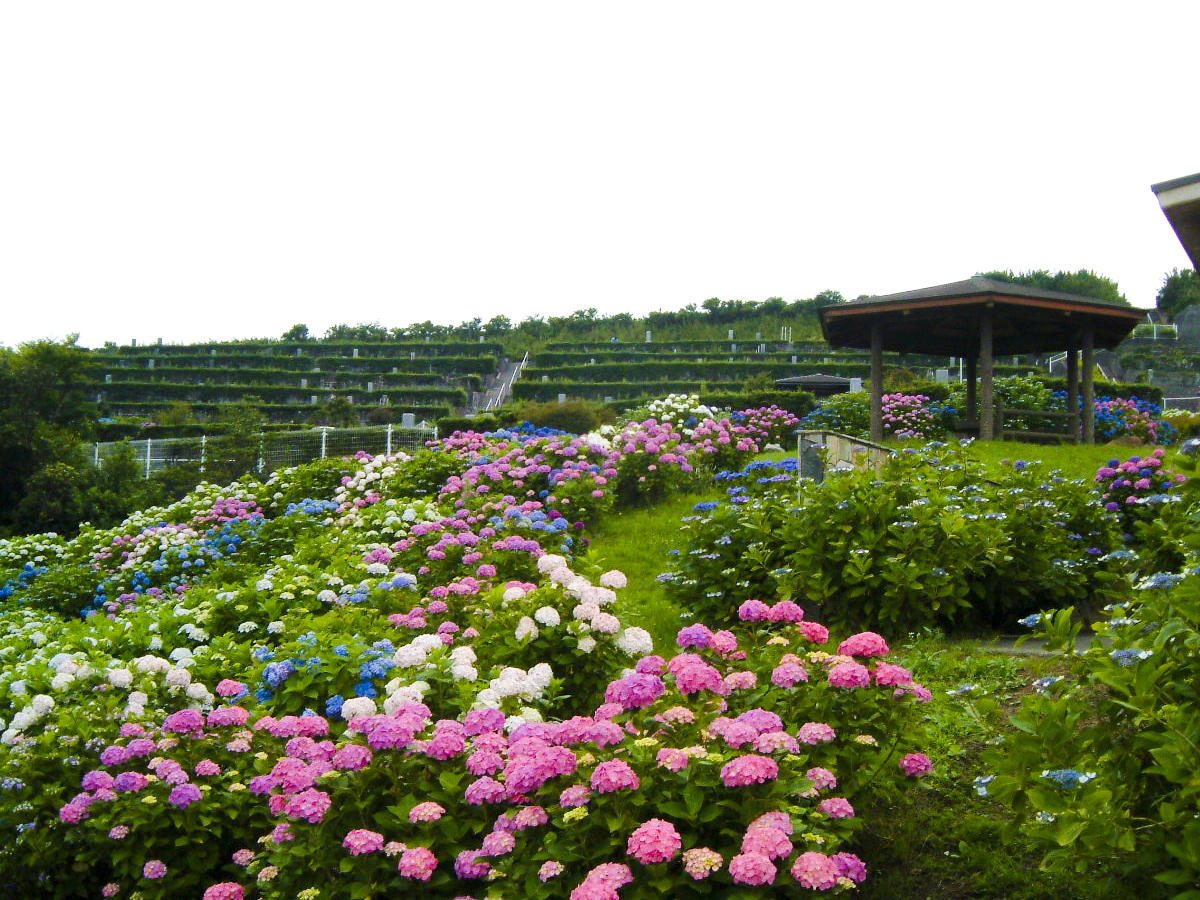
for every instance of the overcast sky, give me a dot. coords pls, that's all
(193, 171)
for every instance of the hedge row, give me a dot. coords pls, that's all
(275, 412)
(309, 348)
(480, 365)
(278, 377)
(162, 392)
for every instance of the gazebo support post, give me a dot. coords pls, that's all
(987, 412)
(1089, 386)
(972, 393)
(876, 381)
(1073, 386)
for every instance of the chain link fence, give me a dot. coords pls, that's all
(276, 450)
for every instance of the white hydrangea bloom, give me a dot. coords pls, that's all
(275, 627)
(635, 641)
(548, 616)
(526, 629)
(358, 706)
(179, 677)
(586, 644)
(541, 675)
(121, 678)
(606, 623)
(550, 562)
(513, 593)
(463, 672)
(410, 655)
(614, 578)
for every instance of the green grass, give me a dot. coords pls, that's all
(636, 542)
(1075, 460)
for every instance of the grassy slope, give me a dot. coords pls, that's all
(943, 841)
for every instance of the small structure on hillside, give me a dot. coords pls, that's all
(977, 319)
(818, 385)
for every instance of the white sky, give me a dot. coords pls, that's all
(193, 171)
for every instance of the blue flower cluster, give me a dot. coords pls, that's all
(1071, 779)
(311, 507)
(24, 578)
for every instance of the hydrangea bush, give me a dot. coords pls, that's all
(927, 542)
(258, 693)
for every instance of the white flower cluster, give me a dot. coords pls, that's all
(513, 682)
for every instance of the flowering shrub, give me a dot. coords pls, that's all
(1117, 417)
(1136, 488)
(258, 671)
(1103, 769)
(904, 415)
(929, 541)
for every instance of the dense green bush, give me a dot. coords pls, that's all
(573, 416)
(928, 541)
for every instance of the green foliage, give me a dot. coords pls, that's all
(44, 415)
(1180, 289)
(927, 541)
(1122, 732)
(573, 416)
(848, 413)
(1085, 282)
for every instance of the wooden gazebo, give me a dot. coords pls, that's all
(977, 320)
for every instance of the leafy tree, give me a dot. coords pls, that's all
(1180, 289)
(296, 333)
(53, 500)
(498, 325)
(236, 452)
(1085, 282)
(44, 415)
(177, 412)
(337, 412)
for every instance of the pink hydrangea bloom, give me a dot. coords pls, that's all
(771, 842)
(815, 871)
(417, 863)
(815, 733)
(185, 721)
(498, 843)
(754, 611)
(308, 804)
(865, 643)
(360, 841)
(836, 808)
(916, 764)
(224, 890)
(814, 631)
(750, 768)
(849, 675)
(672, 759)
(752, 868)
(700, 862)
(654, 841)
(551, 869)
(786, 611)
(635, 691)
(614, 775)
(788, 674)
(227, 687)
(888, 674)
(206, 768)
(484, 790)
(850, 866)
(575, 795)
(822, 779)
(426, 812)
(154, 868)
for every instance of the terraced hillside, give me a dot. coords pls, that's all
(288, 381)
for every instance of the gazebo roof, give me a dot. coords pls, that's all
(1180, 202)
(943, 320)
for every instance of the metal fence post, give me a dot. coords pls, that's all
(388, 451)
(203, 447)
(324, 435)
(147, 457)
(96, 456)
